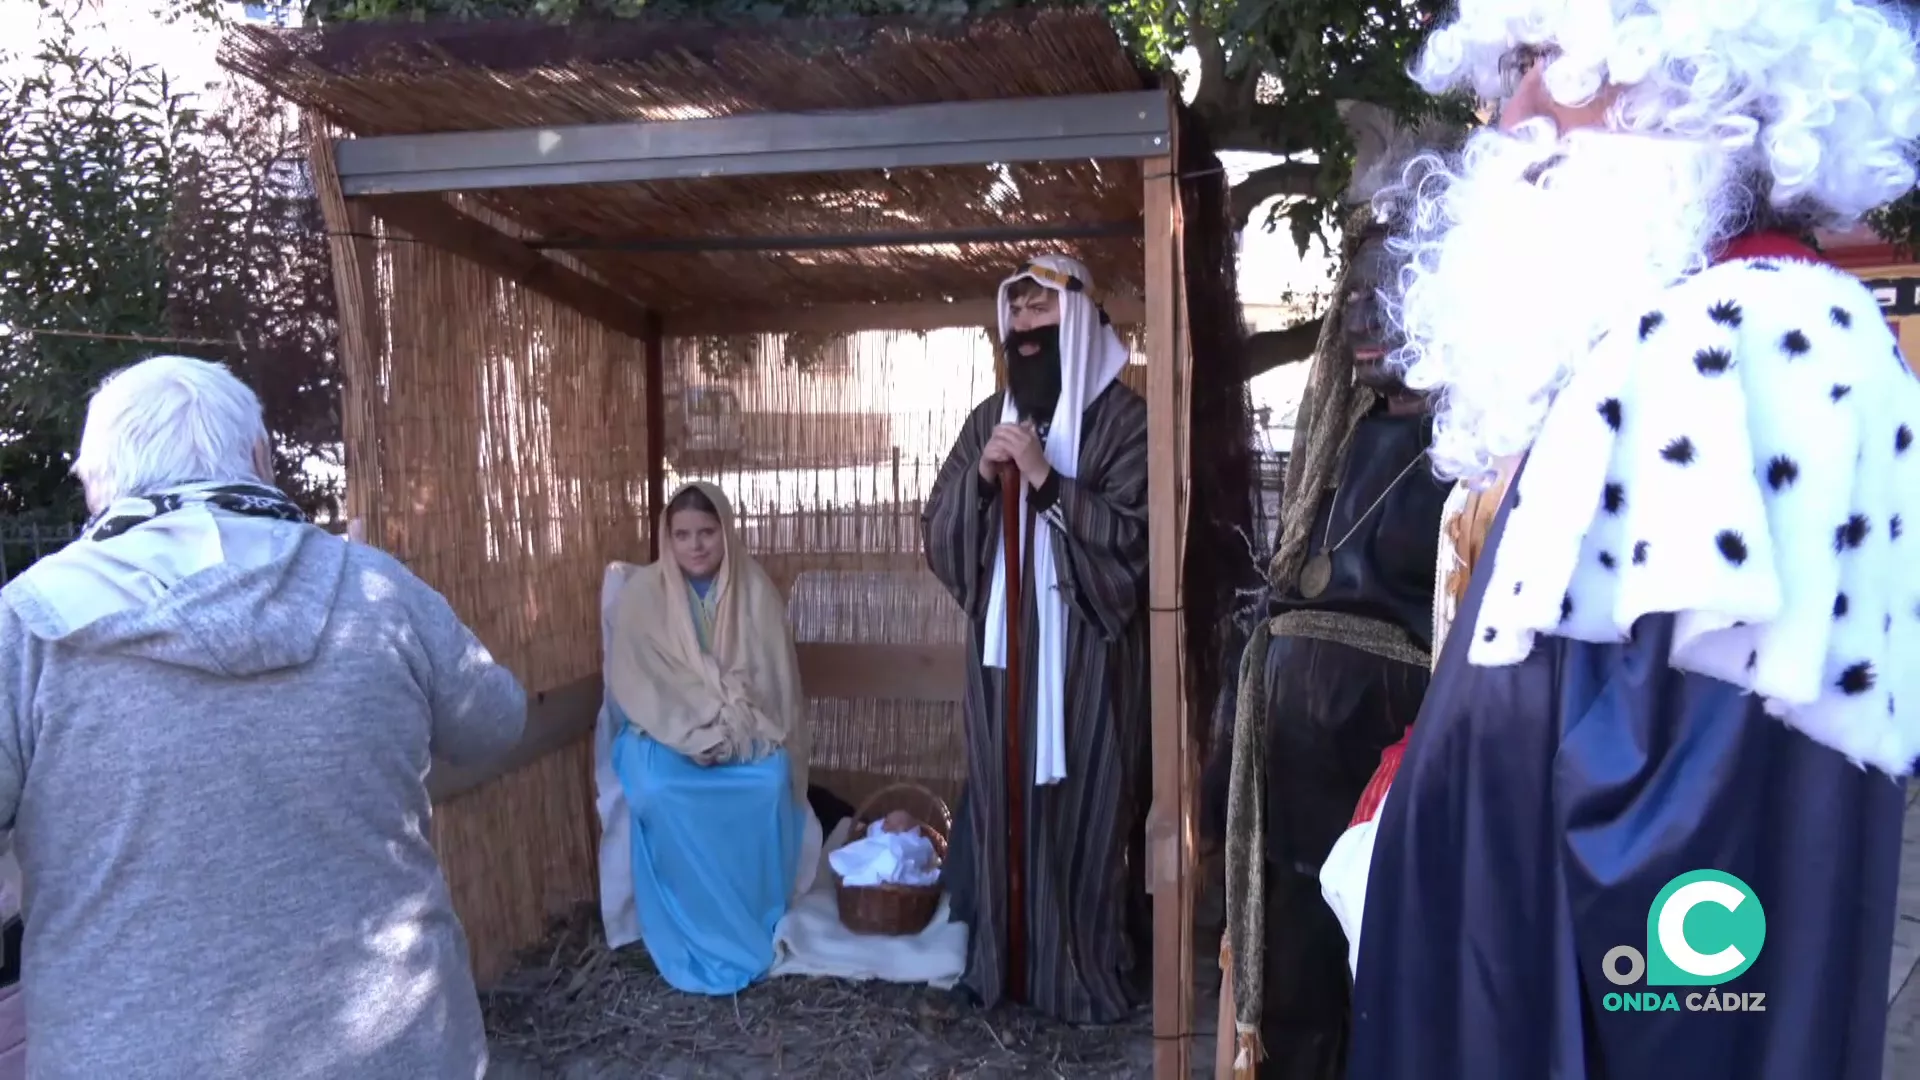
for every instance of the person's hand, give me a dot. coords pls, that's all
(995, 456)
(1023, 447)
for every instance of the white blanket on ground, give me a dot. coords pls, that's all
(811, 940)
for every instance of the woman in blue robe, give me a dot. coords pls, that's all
(706, 746)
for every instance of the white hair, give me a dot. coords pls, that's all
(1730, 115)
(1525, 253)
(166, 421)
(1816, 99)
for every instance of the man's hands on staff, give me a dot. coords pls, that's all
(1019, 446)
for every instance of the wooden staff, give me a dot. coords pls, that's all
(1010, 485)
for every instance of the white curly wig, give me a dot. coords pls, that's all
(1817, 97)
(1722, 117)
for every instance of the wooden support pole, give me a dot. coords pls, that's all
(1170, 862)
(351, 244)
(656, 356)
(1123, 309)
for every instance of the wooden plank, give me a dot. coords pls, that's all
(555, 719)
(1005, 130)
(351, 250)
(1169, 839)
(885, 672)
(870, 239)
(656, 386)
(431, 219)
(1124, 310)
(785, 566)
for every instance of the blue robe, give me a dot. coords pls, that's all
(1540, 810)
(715, 850)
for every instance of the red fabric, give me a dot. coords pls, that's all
(1376, 791)
(1768, 245)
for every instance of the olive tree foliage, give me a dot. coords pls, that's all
(251, 277)
(90, 152)
(136, 224)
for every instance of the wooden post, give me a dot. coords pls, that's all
(656, 355)
(894, 537)
(1170, 869)
(351, 244)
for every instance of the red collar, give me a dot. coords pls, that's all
(1768, 245)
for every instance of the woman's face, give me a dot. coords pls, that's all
(697, 544)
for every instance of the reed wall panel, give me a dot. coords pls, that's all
(497, 448)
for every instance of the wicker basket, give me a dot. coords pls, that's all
(896, 910)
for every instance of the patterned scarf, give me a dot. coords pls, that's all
(235, 497)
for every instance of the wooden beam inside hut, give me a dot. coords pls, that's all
(1170, 863)
(656, 356)
(431, 219)
(844, 241)
(852, 318)
(1091, 126)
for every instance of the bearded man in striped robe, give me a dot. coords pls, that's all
(1045, 864)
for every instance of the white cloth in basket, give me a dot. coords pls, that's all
(887, 858)
(811, 940)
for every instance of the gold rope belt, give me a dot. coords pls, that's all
(1382, 639)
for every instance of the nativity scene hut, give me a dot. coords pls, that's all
(577, 266)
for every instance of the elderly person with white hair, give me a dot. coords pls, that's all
(1648, 823)
(216, 722)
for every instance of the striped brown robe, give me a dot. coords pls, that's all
(1084, 885)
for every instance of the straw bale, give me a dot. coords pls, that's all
(388, 79)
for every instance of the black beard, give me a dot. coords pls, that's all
(1034, 378)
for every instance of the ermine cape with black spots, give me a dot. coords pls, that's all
(1743, 459)
(1691, 645)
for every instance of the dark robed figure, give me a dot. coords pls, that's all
(1688, 647)
(1074, 441)
(1336, 675)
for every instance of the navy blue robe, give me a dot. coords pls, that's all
(1538, 812)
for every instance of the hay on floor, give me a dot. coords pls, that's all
(576, 1009)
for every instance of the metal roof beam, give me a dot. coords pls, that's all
(694, 245)
(1009, 131)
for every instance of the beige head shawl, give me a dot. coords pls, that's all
(739, 702)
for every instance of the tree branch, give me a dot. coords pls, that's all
(1292, 178)
(1270, 349)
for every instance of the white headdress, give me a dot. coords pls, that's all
(1091, 356)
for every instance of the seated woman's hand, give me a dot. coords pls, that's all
(717, 750)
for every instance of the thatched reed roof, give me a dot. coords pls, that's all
(413, 78)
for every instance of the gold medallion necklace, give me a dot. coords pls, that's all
(1318, 573)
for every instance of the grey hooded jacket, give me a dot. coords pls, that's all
(219, 804)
